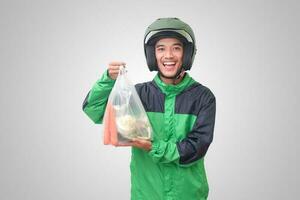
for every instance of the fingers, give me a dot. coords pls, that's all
(138, 143)
(114, 68)
(143, 144)
(116, 63)
(113, 72)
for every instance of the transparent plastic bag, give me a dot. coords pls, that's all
(125, 117)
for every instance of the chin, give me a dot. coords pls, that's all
(167, 75)
(170, 73)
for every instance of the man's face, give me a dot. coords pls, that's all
(169, 54)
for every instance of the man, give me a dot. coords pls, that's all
(181, 112)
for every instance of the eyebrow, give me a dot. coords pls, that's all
(175, 44)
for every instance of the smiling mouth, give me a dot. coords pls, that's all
(169, 64)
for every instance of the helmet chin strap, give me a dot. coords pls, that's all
(180, 73)
(177, 76)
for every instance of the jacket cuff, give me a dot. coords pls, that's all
(106, 78)
(157, 151)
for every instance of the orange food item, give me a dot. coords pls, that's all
(110, 127)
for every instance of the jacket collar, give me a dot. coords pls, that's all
(169, 89)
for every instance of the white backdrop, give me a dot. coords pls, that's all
(52, 52)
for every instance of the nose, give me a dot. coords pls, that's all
(169, 53)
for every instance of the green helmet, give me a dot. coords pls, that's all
(169, 27)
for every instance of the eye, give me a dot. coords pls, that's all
(178, 48)
(160, 49)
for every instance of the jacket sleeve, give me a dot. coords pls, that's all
(194, 146)
(96, 100)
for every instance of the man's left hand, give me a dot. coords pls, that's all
(142, 144)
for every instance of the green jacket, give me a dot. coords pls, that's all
(182, 117)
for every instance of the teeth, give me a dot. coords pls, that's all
(169, 63)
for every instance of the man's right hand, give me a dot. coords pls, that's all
(114, 68)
